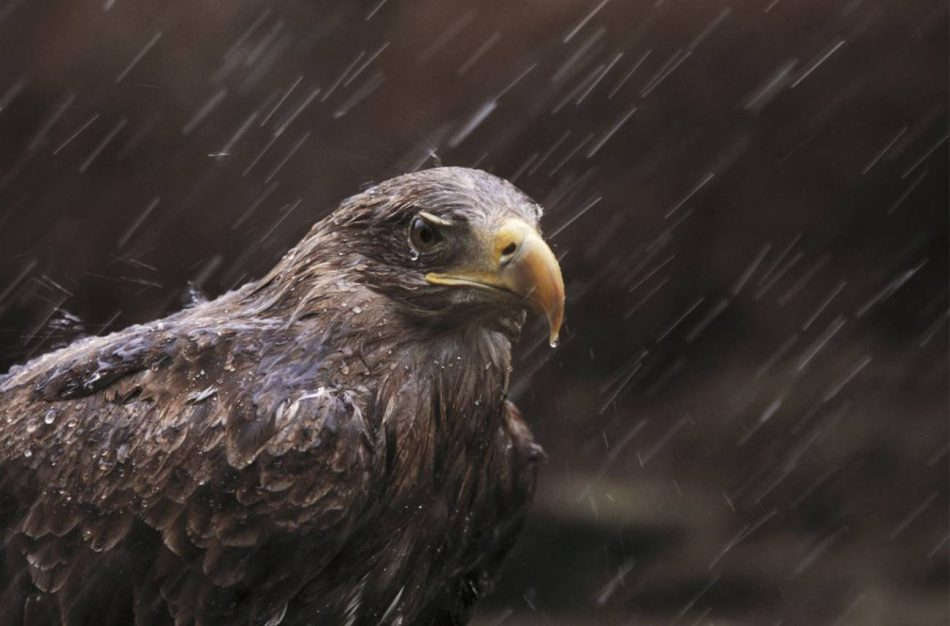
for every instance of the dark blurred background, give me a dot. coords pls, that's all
(747, 419)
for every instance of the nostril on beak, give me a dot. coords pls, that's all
(508, 252)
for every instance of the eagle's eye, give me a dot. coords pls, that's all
(423, 236)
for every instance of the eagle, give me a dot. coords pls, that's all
(329, 444)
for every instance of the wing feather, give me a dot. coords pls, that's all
(171, 453)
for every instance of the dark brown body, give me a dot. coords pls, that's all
(295, 452)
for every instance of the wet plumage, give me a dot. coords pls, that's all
(329, 444)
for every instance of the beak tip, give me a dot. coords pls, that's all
(554, 324)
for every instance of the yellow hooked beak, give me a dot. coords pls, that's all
(515, 259)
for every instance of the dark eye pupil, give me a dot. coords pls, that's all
(423, 235)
